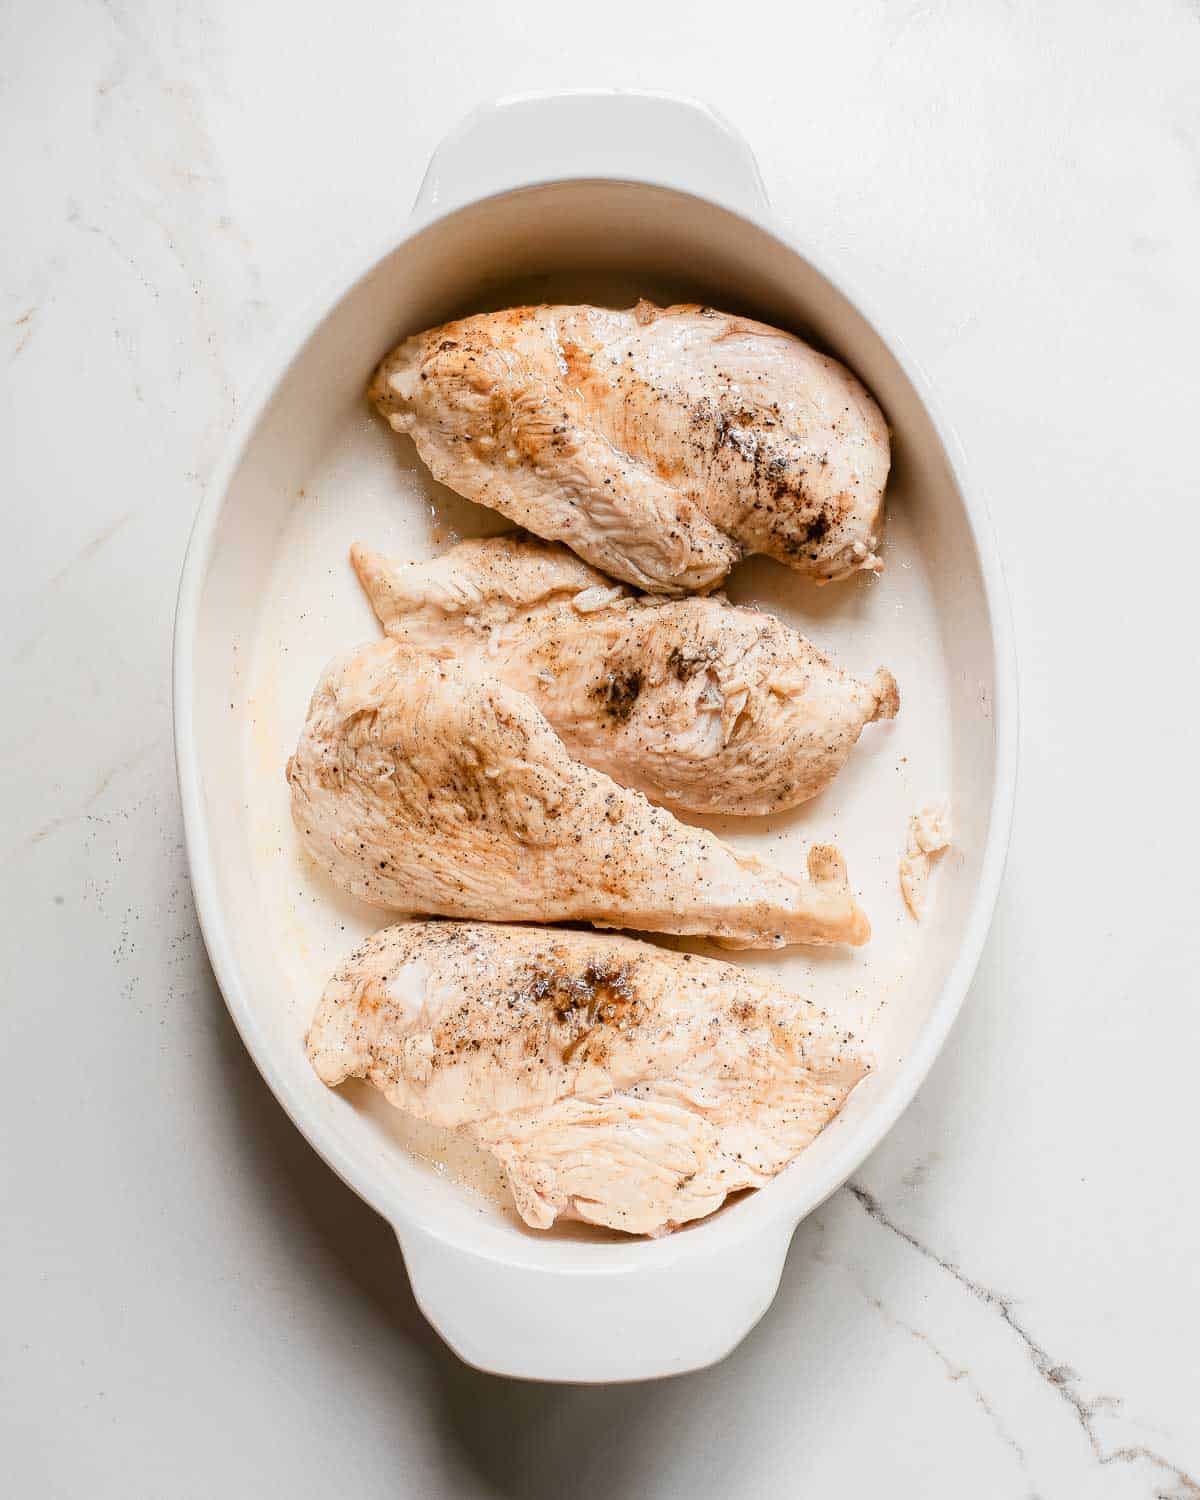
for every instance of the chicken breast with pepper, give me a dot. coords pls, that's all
(702, 705)
(615, 1082)
(661, 444)
(425, 790)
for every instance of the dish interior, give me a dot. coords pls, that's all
(280, 599)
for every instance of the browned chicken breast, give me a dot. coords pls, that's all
(660, 444)
(615, 1082)
(425, 790)
(699, 704)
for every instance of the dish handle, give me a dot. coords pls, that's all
(620, 135)
(591, 1321)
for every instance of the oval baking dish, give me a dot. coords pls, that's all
(587, 197)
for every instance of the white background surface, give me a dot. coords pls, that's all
(1005, 1304)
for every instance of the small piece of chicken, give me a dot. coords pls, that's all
(661, 444)
(423, 790)
(928, 838)
(615, 1082)
(699, 704)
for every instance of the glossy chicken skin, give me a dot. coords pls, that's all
(699, 704)
(424, 790)
(660, 444)
(616, 1082)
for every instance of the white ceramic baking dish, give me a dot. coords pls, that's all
(598, 197)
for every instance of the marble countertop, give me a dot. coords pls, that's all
(1005, 1301)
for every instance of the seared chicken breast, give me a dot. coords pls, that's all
(615, 1082)
(699, 704)
(426, 790)
(661, 444)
